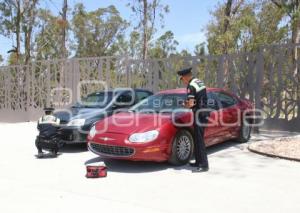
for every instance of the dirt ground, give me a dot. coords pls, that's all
(287, 147)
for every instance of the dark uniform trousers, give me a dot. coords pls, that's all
(200, 149)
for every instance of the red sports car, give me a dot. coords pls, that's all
(160, 129)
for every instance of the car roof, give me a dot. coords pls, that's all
(183, 90)
(119, 90)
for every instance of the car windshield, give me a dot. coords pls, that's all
(160, 103)
(96, 100)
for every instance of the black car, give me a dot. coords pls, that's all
(78, 120)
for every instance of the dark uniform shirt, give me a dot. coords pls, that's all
(197, 90)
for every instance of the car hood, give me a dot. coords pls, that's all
(128, 123)
(79, 113)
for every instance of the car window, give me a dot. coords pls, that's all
(212, 102)
(225, 100)
(99, 99)
(125, 97)
(171, 102)
(160, 102)
(141, 95)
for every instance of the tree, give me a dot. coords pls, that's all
(291, 8)
(1, 59)
(64, 25)
(200, 49)
(134, 47)
(184, 53)
(229, 21)
(232, 20)
(95, 32)
(10, 22)
(147, 12)
(275, 32)
(246, 29)
(47, 39)
(17, 17)
(164, 46)
(27, 26)
(120, 47)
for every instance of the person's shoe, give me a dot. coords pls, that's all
(53, 153)
(194, 164)
(40, 154)
(200, 169)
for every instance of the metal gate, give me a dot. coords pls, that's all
(268, 77)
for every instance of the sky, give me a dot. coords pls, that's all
(186, 19)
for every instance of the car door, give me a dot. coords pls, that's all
(213, 132)
(228, 113)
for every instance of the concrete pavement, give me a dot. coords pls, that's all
(238, 181)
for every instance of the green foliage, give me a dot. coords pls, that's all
(271, 17)
(164, 46)
(239, 25)
(47, 40)
(17, 20)
(134, 46)
(95, 32)
(103, 31)
(255, 23)
(200, 49)
(7, 22)
(150, 14)
(184, 53)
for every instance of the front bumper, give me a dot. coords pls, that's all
(120, 148)
(72, 136)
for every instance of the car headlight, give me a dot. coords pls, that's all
(144, 137)
(76, 122)
(93, 132)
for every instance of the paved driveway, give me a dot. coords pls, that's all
(239, 181)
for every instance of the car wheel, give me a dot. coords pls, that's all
(245, 133)
(182, 148)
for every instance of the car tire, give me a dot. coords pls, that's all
(182, 148)
(244, 133)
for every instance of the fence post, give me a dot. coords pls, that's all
(259, 81)
(48, 83)
(220, 72)
(75, 80)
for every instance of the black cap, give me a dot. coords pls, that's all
(48, 109)
(185, 71)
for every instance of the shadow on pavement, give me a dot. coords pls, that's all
(142, 167)
(130, 166)
(73, 148)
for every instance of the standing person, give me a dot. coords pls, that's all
(196, 100)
